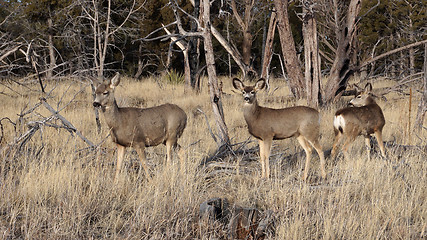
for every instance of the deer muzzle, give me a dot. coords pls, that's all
(96, 104)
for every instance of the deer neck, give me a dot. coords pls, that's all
(251, 111)
(111, 114)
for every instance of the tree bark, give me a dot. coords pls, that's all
(183, 45)
(193, 51)
(214, 90)
(237, 57)
(311, 55)
(341, 69)
(268, 50)
(140, 62)
(52, 59)
(411, 50)
(293, 68)
(245, 25)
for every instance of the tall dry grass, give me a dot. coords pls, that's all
(56, 188)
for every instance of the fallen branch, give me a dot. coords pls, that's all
(65, 122)
(373, 59)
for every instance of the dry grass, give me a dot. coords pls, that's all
(54, 188)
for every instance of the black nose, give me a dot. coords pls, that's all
(247, 99)
(96, 104)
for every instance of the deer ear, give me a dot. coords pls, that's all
(368, 88)
(114, 82)
(237, 84)
(260, 84)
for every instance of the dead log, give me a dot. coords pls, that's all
(239, 222)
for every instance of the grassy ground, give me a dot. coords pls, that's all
(53, 187)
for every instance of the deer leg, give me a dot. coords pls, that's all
(169, 145)
(181, 155)
(307, 148)
(120, 155)
(267, 149)
(319, 151)
(345, 147)
(338, 137)
(262, 157)
(368, 146)
(379, 137)
(140, 149)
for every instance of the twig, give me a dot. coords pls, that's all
(1, 127)
(209, 127)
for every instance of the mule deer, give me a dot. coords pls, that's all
(365, 118)
(267, 124)
(139, 127)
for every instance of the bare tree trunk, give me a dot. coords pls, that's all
(311, 54)
(140, 62)
(247, 47)
(183, 45)
(194, 53)
(268, 50)
(293, 68)
(422, 106)
(214, 90)
(341, 69)
(237, 57)
(403, 64)
(411, 50)
(52, 60)
(187, 69)
(95, 110)
(245, 25)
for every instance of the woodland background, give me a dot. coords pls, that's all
(66, 37)
(57, 159)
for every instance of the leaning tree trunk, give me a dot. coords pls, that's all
(293, 68)
(214, 91)
(341, 69)
(422, 106)
(268, 50)
(311, 55)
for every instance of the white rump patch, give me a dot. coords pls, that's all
(339, 122)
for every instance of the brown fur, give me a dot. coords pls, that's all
(268, 124)
(365, 118)
(139, 127)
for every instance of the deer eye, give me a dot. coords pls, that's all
(252, 92)
(106, 93)
(359, 96)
